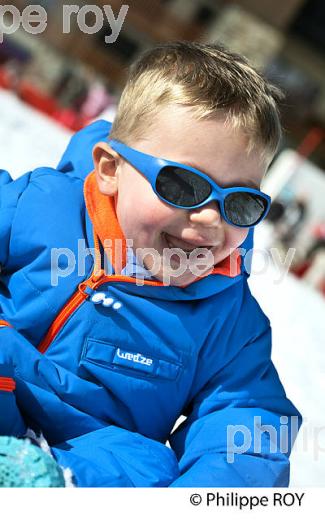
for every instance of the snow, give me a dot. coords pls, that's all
(297, 315)
(28, 138)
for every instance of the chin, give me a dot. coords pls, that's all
(182, 280)
(179, 281)
(220, 257)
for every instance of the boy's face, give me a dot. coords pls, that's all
(208, 146)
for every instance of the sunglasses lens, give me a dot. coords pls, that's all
(244, 208)
(182, 187)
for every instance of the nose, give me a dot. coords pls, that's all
(207, 215)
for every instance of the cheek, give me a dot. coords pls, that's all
(235, 236)
(140, 212)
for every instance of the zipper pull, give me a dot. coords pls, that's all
(87, 288)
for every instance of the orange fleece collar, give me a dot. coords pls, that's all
(101, 209)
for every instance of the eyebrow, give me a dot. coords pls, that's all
(249, 183)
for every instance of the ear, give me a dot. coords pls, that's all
(106, 162)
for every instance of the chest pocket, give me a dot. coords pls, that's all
(98, 356)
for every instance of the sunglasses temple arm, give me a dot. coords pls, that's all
(144, 163)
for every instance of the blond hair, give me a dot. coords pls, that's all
(212, 80)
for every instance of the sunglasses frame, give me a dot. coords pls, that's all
(151, 166)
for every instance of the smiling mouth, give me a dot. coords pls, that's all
(176, 243)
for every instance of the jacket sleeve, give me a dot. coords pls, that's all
(240, 425)
(107, 455)
(101, 455)
(10, 193)
(114, 457)
(11, 421)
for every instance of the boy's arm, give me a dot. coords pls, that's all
(98, 453)
(115, 457)
(11, 422)
(106, 456)
(10, 193)
(231, 437)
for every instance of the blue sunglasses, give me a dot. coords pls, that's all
(184, 187)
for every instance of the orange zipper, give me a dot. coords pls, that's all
(75, 301)
(97, 278)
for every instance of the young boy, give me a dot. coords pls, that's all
(124, 296)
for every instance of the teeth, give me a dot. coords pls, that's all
(186, 251)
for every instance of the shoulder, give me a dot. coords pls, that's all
(73, 168)
(252, 321)
(41, 210)
(48, 203)
(77, 160)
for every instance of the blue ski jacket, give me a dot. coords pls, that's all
(104, 367)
